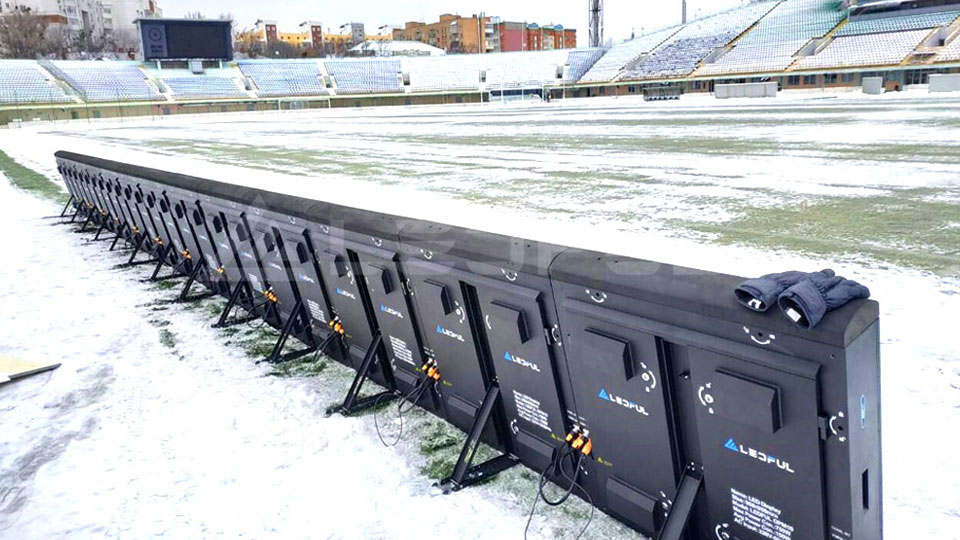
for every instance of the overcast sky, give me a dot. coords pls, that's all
(621, 17)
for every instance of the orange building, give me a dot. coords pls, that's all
(452, 33)
(478, 33)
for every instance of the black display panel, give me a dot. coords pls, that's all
(184, 40)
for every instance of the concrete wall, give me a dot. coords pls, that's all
(873, 85)
(945, 83)
(750, 90)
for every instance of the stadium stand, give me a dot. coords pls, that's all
(23, 82)
(435, 73)
(284, 78)
(771, 45)
(105, 81)
(199, 87)
(580, 61)
(771, 38)
(865, 50)
(363, 76)
(683, 52)
(951, 52)
(623, 54)
(903, 23)
(530, 69)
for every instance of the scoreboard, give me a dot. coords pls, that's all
(186, 39)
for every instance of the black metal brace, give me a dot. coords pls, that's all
(241, 288)
(299, 312)
(682, 506)
(465, 475)
(353, 404)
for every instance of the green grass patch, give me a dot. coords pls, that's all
(167, 339)
(165, 285)
(31, 181)
(904, 227)
(439, 468)
(438, 437)
(301, 367)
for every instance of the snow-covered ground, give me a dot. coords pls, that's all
(156, 426)
(869, 186)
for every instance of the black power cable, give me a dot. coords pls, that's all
(556, 464)
(412, 398)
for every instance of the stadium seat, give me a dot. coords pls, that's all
(284, 78)
(951, 52)
(436, 73)
(528, 69)
(777, 37)
(199, 87)
(23, 82)
(621, 55)
(362, 76)
(105, 81)
(682, 53)
(902, 23)
(865, 50)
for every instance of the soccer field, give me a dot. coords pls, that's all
(867, 186)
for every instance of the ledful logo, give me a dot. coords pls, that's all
(626, 403)
(348, 294)
(520, 361)
(390, 311)
(449, 333)
(758, 455)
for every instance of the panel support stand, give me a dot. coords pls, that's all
(353, 403)
(465, 474)
(682, 507)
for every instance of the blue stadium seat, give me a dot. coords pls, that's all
(199, 87)
(901, 23)
(284, 78)
(773, 43)
(105, 81)
(23, 82)
(361, 76)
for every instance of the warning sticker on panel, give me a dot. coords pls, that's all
(400, 351)
(760, 517)
(529, 410)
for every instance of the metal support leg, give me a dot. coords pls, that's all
(298, 314)
(136, 251)
(115, 239)
(191, 279)
(352, 403)
(465, 475)
(64, 212)
(160, 260)
(231, 303)
(679, 514)
(99, 230)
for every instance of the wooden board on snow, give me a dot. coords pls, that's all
(12, 369)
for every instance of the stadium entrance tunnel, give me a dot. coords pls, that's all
(641, 387)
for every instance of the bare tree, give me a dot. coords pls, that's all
(58, 42)
(87, 43)
(23, 35)
(279, 49)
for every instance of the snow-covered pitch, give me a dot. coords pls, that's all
(157, 424)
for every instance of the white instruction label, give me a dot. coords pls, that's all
(755, 515)
(255, 282)
(400, 351)
(529, 410)
(315, 311)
